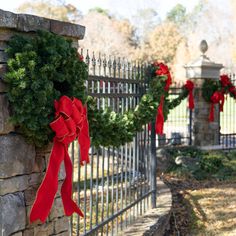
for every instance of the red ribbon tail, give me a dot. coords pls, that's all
(191, 100)
(84, 141)
(160, 117)
(211, 116)
(47, 190)
(66, 190)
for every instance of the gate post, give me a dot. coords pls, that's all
(153, 173)
(204, 133)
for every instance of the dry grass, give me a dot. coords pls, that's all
(213, 210)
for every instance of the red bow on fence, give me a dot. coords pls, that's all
(217, 97)
(190, 86)
(71, 122)
(162, 70)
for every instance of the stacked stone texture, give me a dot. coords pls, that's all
(22, 166)
(205, 133)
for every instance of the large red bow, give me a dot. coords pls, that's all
(190, 86)
(71, 122)
(217, 97)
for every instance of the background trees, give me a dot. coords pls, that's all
(174, 38)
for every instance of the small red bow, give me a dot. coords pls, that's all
(162, 69)
(71, 122)
(217, 97)
(190, 86)
(225, 81)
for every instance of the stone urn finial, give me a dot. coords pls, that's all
(203, 46)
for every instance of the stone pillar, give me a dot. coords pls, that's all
(22, 167)
(205, 133)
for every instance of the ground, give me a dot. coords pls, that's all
(202, 208)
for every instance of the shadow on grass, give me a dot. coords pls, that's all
(212, 211)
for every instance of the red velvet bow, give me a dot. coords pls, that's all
(71, 122)
(190, 86)
(217, 97)
(162, 69)
(225, 80)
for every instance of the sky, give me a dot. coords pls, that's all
(123, 8)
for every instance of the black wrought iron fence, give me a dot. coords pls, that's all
(178, 126)
(115, 187)
(227, 121)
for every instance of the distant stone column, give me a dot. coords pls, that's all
(22, 167)
(204, 133)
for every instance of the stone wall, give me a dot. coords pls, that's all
(22, 167)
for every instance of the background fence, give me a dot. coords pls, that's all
(178, 126)
(227, 121)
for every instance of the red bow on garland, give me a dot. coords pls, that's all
(162, 70)
(227, 85)
(190, 86)
(217, 97)
(225, 81)
(71, 122)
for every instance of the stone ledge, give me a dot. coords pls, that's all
(155, 221)
(31, 23)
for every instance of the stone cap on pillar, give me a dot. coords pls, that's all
(31, 23)
(203, 67)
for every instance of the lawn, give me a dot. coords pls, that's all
(213, 210)
(204, 192)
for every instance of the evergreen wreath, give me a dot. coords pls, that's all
(223, 85)
(214, 92)
(40, 70)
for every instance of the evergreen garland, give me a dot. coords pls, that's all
(176, 101)
(43, 68)
(209, 87)
(108, 128)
